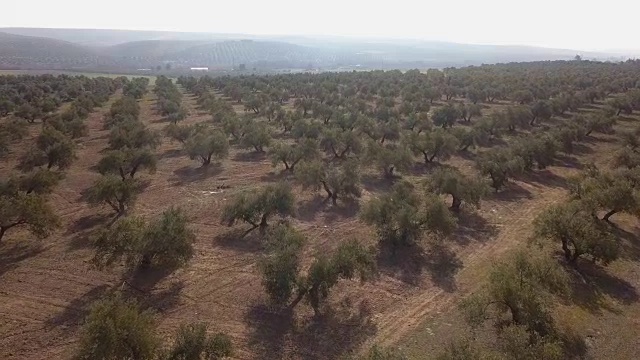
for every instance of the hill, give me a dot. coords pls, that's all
(127, 50)
(17, 50)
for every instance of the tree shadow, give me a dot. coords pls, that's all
(374, 183)
(339, 331)
(82, 230)
(11, 257)
(143, 280)
(276, 176)
(409, 263)
(473, 227)
(442, 265)
(166, 299)
(630, 244)
(545, 178)
(591, 285)
(336, 333)
(581, 149)
(269, 331)
(511, 192)
(565, 160)
(171, 153)
(308, 209)
(346, 208)
(74, 314)
(251, 156)
(240, 240)
(189, 174)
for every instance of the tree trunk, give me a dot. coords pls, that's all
(455, 205)
(263, 224)
(608, 215)
(3, 229)
(145, 262)
(567, 252)
(618, 113)
(206, 160)
(298, 298)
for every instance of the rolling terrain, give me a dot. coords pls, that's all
(25, 48)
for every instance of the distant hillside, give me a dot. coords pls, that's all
(108, 37)
(126, 50)
(149, 49)
(251, 52)
(17, 50)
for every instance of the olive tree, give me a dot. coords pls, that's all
(337, 180)
(257, 206)
(291, 154)
(118, 329)
(257, 136)
(126, 162)
(111, 190)
(450, 181)
(52, 148)
(282, 275)
(339, 143)
(192, 343)
(578, 231)
(389, 157)
(520, 287)
(439, 144)
(401, 217)
(166, 242)
(445, 116)
(30, 210)
(500, 164)
(205, 144)
(133, 134)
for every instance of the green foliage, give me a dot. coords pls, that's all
(611, 192)
(118, 329)
(538, 151)
(123, 110)
(337, 180)
(192, 343)
(520, 287)
(500, 164)
(181, 133)
(439, 144)
(133, 134)
(578, 231)
(39, 181)
(280, 267)
(339, 143)
(207, 143)
(255, 207)
(541, 110)
(282, 275)
(256, 136)
(126, 162)
(291, 154)
(31, 210)
(445, 180)
(52, 148)
(389, 157)
(163, 243)
(401, 217)
(445, 116)
(119, 194)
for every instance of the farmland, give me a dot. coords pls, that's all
(358, 157)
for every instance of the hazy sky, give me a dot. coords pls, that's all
(575, 24)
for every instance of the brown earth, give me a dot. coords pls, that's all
(46, 287)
